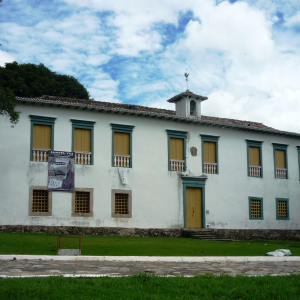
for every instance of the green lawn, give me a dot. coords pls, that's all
(152, 287)
(45, 244)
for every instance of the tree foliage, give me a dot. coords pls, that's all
(30, 80)
(8, 105)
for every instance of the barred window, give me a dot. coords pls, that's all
(121, 204)
(82, 202)
(40, 201)
(255, 208)
(282, 209)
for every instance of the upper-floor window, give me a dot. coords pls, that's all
(83, 141)
(210, 154)
(254, 157)
(122, 145)
(176, 150)
(42, 137)
(280, 161)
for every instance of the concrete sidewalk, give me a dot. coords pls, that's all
(115, 266)
(152, 258)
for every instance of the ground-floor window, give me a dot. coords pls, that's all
(282, 209)
(255, 208)
(40, 201)
(121, 204)
(82, 202)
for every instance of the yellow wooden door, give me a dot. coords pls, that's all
(193, 208)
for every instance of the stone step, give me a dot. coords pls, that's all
(213, 239)
(203, 236)
(208, 235)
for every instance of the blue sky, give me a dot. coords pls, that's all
(243, 55)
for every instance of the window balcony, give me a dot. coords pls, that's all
(177, 165)
(255, 171)
(83, 158)
(280, 173)
(122, 161)
(210, 168)
(40, 154)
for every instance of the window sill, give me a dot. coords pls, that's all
(82, 215)
(118, 216)
(210, 173)
(40, 214)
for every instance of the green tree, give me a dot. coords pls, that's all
(30, 80)
(8, 105)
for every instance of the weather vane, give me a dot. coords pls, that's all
(187, 79)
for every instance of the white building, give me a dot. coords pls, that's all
(183, 170)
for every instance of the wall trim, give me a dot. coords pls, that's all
(257, 144)
(80, 124)
(213, 139)
(177, 135)
(124, 129)
(40, 120)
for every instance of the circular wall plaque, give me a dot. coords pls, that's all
(194, 151)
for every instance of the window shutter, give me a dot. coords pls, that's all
(254, 156)
(209, 149)
(41, 136)
(176, 147)
(280, 159)
(121, 143)
(82, 140)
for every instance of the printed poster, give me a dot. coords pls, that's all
(61, 171)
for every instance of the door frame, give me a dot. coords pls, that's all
(196, 182)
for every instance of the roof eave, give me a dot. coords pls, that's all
(159, 116)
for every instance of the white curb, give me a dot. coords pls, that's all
(151, 258)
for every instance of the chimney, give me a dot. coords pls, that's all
(188, 104)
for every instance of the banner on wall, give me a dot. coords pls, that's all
(123, 174)
(61, 171)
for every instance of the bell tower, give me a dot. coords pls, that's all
(188, 104)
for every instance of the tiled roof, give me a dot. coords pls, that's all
(187, 93)
(152, 112)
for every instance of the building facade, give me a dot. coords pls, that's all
(180, 169)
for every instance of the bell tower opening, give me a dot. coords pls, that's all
(193, 108)
(188, 104)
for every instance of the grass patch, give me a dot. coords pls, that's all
(152, 287)
(45, 244)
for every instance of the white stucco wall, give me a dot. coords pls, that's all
(157, 194)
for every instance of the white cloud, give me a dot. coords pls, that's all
(294, 20)
(5, 58)
(237, 29)
(97, 60)
(234, 53)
